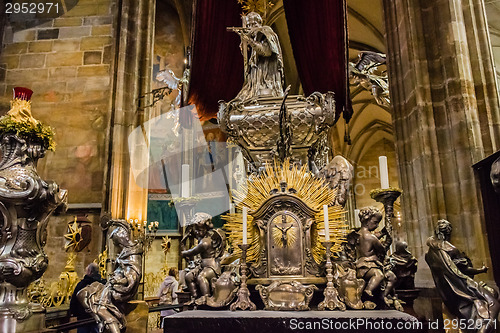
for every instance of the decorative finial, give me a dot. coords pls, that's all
(22, 93)
(20, 106)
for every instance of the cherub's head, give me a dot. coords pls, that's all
(401, 248)
(370, 217)
(210, 137)
(202, 223)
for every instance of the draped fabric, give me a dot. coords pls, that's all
(216, 61)
(318, 34)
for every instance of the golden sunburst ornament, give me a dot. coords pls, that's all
(311, 190)
(258, 6)
(165, 244)
(73, 237)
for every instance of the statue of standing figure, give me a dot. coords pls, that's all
(453, 274)
(105, 302)
(211, 244)
(264, 69)
(338, 174)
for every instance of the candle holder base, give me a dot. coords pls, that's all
(332, 300)
(243, 301)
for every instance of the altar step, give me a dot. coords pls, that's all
(198, 321)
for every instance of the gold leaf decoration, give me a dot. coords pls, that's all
(20, 121)
(258, 6)
(313, 191)
(165, 244)
(74, 236)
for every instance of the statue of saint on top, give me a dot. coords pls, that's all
(264, 69)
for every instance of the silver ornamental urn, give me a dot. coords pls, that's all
(26, 202)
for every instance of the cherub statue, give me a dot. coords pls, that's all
(105, 302)
(211, 244)
(453, 274)
(168, 77)
(372, 254)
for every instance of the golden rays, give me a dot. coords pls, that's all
(312, 190)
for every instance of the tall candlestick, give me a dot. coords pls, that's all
(245, 213)
(185, 190)
(327, 227)
(384, 172)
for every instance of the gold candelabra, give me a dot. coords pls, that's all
(144, 231)
(243, 301)
(331, 300)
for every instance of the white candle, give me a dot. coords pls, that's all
(245, 237)
(384, 172)
(327, 227)
(185, 190)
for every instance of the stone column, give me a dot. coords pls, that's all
(445, 116)
(132, 70)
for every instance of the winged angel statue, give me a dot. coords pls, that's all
(366, 73)
(168, 77)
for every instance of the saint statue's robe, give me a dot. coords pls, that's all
(264, 72)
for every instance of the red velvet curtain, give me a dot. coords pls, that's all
(216, 61)
(318, 34)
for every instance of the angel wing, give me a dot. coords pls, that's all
(219, 242)
(366, 73)
(338, 174)
(168, 77)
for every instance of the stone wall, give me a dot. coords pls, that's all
(67, 62)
